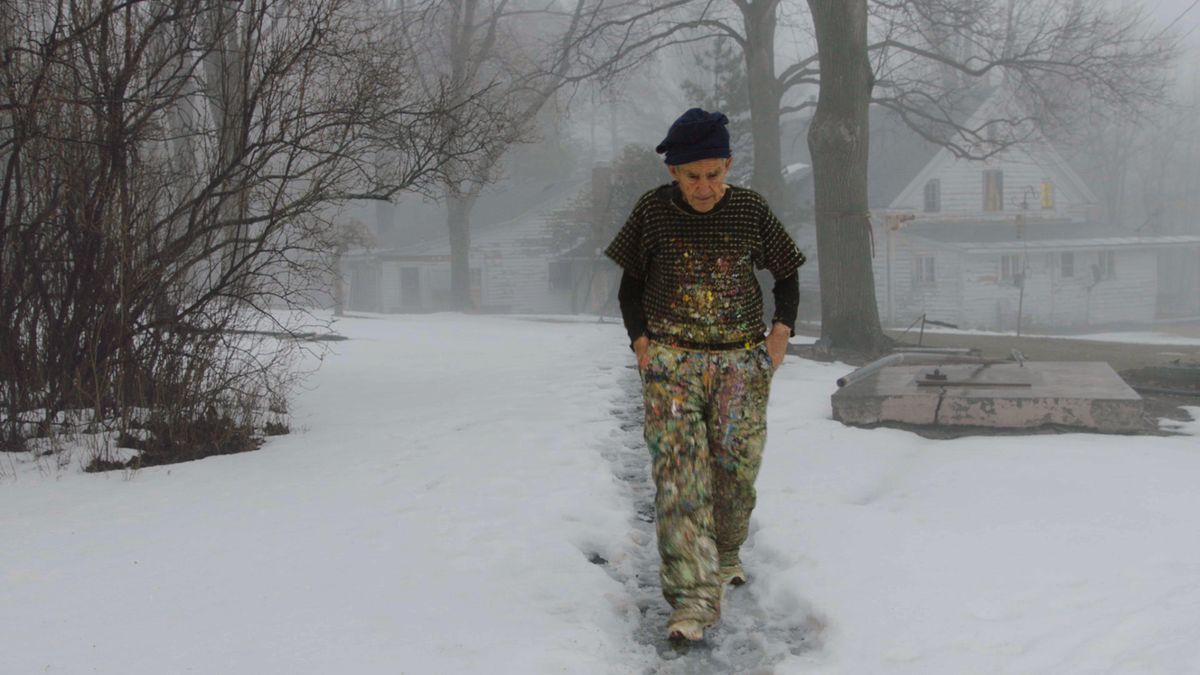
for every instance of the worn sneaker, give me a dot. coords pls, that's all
(686, 629)
(733, 574)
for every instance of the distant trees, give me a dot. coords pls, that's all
(522, 54)
(168, 176)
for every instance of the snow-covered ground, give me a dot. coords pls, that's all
(468, 495)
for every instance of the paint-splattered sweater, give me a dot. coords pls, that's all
(697, 269)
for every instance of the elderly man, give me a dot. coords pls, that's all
(693, 309)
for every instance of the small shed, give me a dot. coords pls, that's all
(515, 266)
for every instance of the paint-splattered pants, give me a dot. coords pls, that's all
(706, 423)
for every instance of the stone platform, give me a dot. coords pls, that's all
(1084, 395)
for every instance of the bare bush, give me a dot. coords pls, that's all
(169, 171)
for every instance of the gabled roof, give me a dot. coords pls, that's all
(896, 154)
(901, 161)
(1037, 150)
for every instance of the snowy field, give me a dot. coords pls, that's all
(468, 495)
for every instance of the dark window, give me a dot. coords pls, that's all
(1106, 267)
(933, 196)
(993, 190)
(1010, 268)
(925, 269)
(560, 275)
(1066, 265)
(410, 287)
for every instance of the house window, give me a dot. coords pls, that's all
(1106, 266)
(1066, 265)
(560, 275)
(933, 196)
(993, 190)
(1047, 194)
(925, 269)
(1010, 268)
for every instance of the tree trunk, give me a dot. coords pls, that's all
(838, 142)
(225, 85)
(458, 221)
(759, 19)
(339, 282)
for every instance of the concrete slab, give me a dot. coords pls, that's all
(1084, 395)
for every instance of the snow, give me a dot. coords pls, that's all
(460, 495)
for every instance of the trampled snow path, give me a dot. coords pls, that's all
(749, 639)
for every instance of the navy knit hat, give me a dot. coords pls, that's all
(697, 134)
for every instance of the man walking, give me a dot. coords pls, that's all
(693, 310)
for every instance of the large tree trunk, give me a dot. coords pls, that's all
(759, 19)
(838, 142)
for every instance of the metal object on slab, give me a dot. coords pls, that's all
(910, 358)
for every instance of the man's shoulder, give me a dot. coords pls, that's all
(747, 196)
(655, 198)
(657, 195)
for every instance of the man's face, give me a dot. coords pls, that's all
(702, 181)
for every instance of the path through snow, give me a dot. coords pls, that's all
(749, 639)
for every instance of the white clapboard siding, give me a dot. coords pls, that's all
(1053, 301)
(910, 297)
(989, 302)
(1131, 295)
(516, 270)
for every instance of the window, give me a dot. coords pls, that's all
(1106, 266)
(560, 275)
(993, 190)
(1010, 268)
(925, 269)
(1047, 194)
(1066, 265)
(933, 196)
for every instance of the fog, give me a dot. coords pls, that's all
(1119, 171)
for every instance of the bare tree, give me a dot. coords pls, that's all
(169, 174)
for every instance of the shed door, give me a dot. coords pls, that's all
(410, 287)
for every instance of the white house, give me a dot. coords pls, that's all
(1006, 242)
